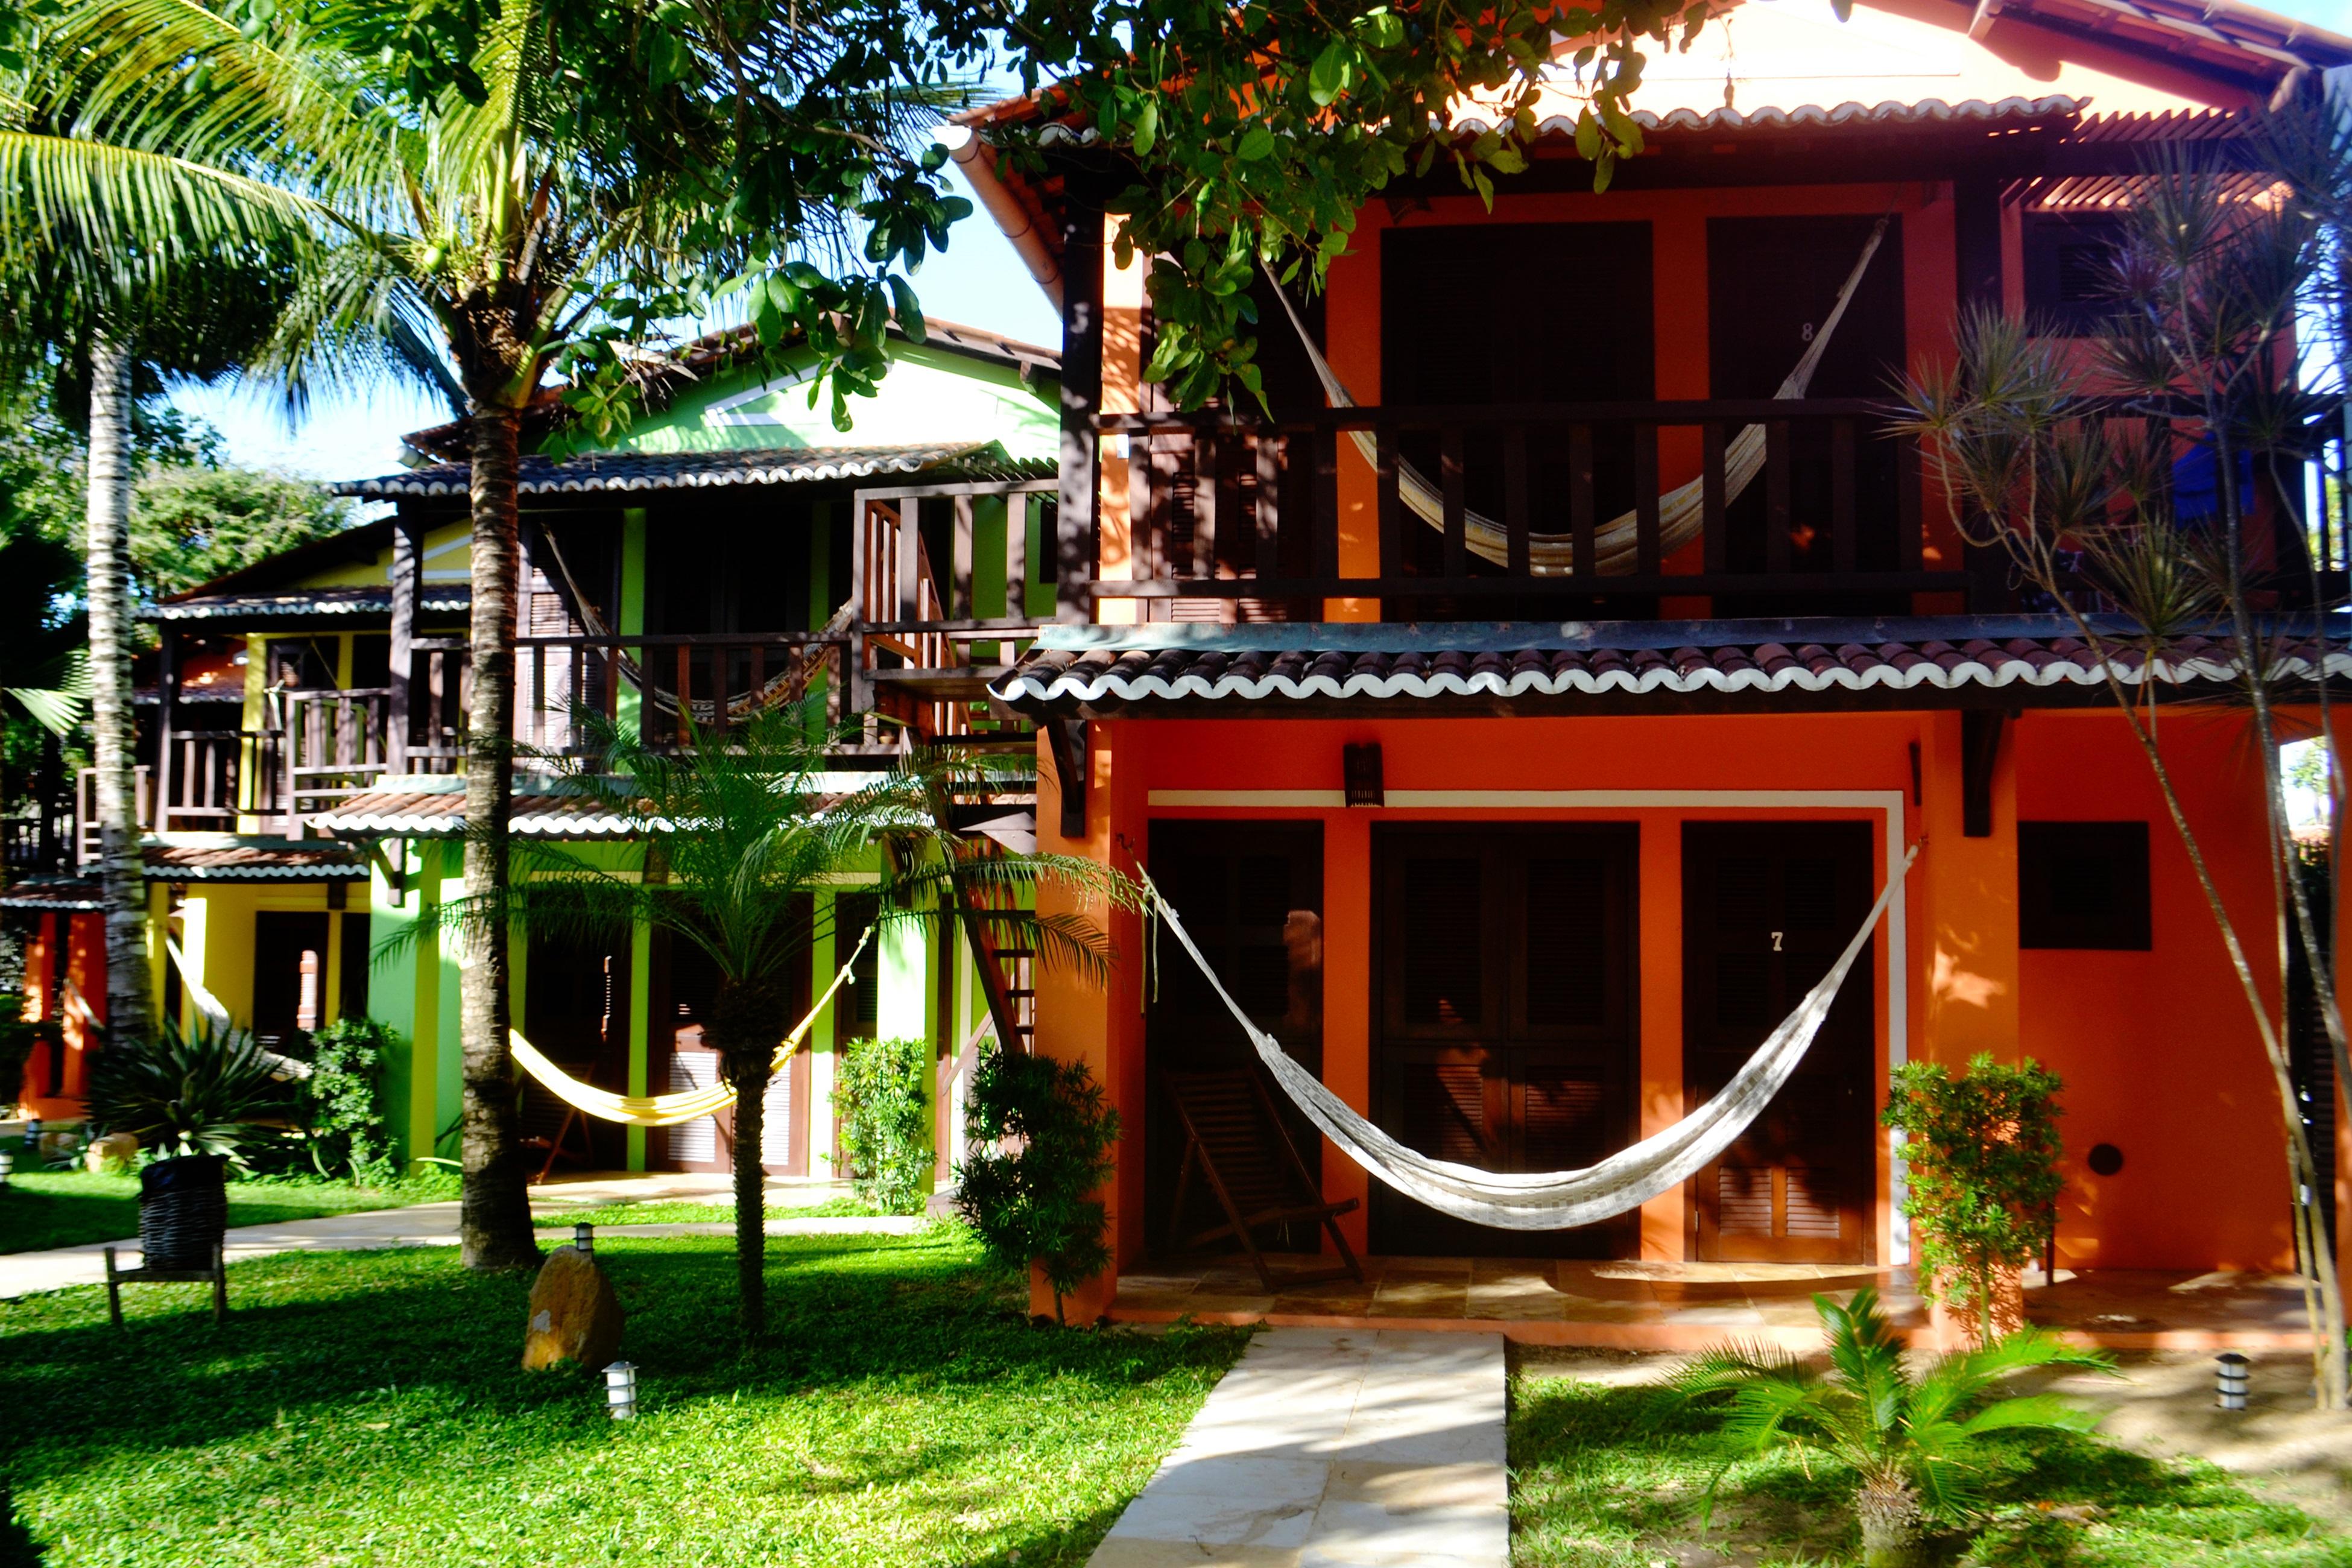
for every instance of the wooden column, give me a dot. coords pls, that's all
(1976, 257)
(407, 587)
(167, 691)
(1082, 352)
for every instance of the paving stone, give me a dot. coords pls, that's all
(1367, 1448)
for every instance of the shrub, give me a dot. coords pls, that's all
(343, 1103)
(1032, 1203)
(1983, 1153)
(886, 1123)
(208, 1091)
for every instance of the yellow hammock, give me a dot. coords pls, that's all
(663, 1109)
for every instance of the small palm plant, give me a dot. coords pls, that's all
(742, 838)
(1910, 1438)
(210, 1089)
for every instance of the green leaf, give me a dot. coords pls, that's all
(907, 308)
(1328, 77)
(1257, 144)
(1588, 136)
(1147, 127)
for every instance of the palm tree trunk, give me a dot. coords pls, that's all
(750, 1199)
(1889, 1513)
(111, 721)
(494, 1216)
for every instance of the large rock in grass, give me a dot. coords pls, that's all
(112, 1154)
(575, 1314)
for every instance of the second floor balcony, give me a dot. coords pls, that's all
(1641, 511)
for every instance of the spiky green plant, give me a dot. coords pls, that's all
(745, 839)
(211, 1089)
(1911, 1438)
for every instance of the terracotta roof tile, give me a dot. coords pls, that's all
(1103, 669)
(601, 471)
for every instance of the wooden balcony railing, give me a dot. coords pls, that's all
(927, 640)
(1481, 509)
(670, 687)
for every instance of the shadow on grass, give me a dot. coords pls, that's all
(1613, 1477)
(31, 1220)
(315, 1334)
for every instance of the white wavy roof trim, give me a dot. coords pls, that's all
(550, 826)
(746, 474)
(1546, 683)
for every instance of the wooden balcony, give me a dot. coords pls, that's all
(669, 690)
(1486, 513)
(927, 642)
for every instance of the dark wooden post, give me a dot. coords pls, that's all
(1977, 251)
(167, 689)
(407, 586)
(1082, 346)
(49, 790)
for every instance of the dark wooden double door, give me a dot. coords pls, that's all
(1506, 1028)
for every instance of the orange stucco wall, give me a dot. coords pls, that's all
(2158, 1049)
(63, 947)
(2155, 1047)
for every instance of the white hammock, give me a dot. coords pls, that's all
(1616, 544)
(1558, 1200)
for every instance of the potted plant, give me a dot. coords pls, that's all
(199, 1099)
(1041, 1138)
(1982, 1148)
(1910, 1438)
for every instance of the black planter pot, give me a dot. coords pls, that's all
(182, 1211)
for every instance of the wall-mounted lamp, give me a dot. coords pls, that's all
(1360, 767)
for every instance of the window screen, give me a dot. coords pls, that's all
(2083, 885)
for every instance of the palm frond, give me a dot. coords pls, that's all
(2030, 1412)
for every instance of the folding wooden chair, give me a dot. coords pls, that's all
(1235, 1138)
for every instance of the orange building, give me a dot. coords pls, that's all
(1521, 800)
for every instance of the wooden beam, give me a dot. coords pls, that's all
(1065, 738)
(1979, 752)
(1082, 347)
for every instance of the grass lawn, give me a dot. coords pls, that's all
(65, 1208)
(681, 1211)
(1614, 1476)
(366, 1409)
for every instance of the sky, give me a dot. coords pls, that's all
(979, 283)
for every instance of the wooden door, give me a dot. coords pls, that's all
(686, 982)
(1251, 894)
(1767, 908)
(1771, 284)
(1506, 1019)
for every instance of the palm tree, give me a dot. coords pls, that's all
(203, 285)
(740, 836)
(1907, 1437)
(579, 174)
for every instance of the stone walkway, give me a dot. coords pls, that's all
(1649, 1305)
(435, 1225)
(1335, 1448)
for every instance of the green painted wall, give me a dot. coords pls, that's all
(929, 395)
